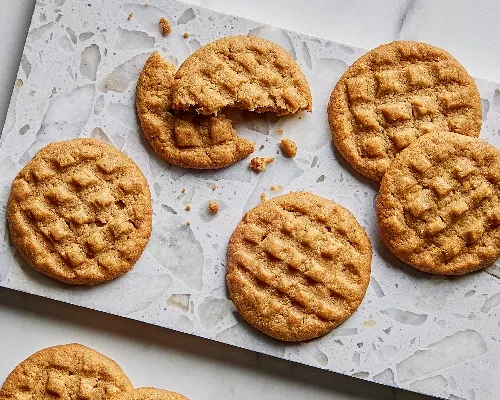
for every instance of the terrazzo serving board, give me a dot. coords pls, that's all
(436, 335)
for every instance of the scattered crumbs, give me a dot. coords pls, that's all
(130, 16)
(187, 208)
(288, 147)
(213, 207)
(369, 323)
(263, 197)
(165, 26)
(276, 188)
(261, 147)
(280, 131)
(186, 35)
(183, 190)
(258, 164)
(188, 223)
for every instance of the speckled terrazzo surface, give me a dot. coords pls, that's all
(77, 78)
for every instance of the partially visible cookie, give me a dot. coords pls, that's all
(394, 94)
(80, 211)
(438, 207)
(70, 371)
(149, 393)
(298, 266)
(247, 72)
(185, 139)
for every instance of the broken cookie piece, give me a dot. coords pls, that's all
(288, 147)
(165, 26)
(213, 207)
(258, 164)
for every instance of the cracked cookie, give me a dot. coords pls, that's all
(298, 266)
(247, 72)
(438, 207)
(67, 372)
(80, 212)
(394, 94)
(186, 139)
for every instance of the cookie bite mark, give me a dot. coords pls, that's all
(247, 72)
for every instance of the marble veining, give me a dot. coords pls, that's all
(77, 76)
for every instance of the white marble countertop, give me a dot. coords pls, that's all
(197, 367)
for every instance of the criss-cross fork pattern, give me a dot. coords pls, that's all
(78, 213)
(297, 263)
(392, 106)
(446, 205)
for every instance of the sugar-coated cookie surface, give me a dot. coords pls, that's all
(185, 139)
(394, 94)
(438, 207)
(298, 266)
(149, 393)
(70, 371)
(80, 211)
(247, 72)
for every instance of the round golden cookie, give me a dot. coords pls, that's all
(438, 207)
(183, 139)
(298, 266)
(149, 393)
(80, 212)
(394, 94)
(247, 72)
(70, 371)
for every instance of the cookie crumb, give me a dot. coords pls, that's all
(183, 190)
(165, 26)
(188, 223)
(280, 131)
(130, 16)
(213, 187)
(261, 147)
(263, 197)
(288, 147)
(213, 207)
(187, 208)
(186, 35)
(259, 164)
(276, 188)
(147, 5)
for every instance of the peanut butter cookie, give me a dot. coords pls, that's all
(298, 266)
(394, 94)
(184, 139)
(148, 393)
(66, 372)
(80, 212)
(438, 207)
(247, 72)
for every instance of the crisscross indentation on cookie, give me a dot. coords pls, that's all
(80, 211)
(242, 71)
(440, 204)
(66, 372)
(311, 262)
(395, 94)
